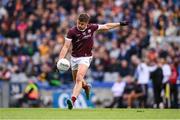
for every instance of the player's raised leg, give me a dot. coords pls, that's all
(87, 89)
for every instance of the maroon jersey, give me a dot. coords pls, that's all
(82, 41)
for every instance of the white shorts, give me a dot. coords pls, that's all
(75, 61)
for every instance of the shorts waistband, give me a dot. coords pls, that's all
(81, 55)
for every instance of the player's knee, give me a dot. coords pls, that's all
(79, 78)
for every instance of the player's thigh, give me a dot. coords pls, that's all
(83, 65)
(74, 64)
(74, 74)
(82, 70)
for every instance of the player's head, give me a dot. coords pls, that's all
(83, 21)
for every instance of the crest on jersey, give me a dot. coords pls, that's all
(84, 33)
(89, 31)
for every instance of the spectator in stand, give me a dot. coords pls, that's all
(125, 69)
(142, 76)
(117, 90)
(131, 92)
(30, 95)
(32, 34)
(157, 78)
(5, 73)
(173, 86)
(166, 75)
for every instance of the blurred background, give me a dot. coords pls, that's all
(133, 67)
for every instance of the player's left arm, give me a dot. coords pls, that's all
(108, 26)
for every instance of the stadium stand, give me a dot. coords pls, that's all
(32, 34)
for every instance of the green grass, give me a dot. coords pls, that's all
(88, 114)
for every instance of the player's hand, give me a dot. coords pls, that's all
(124, 23)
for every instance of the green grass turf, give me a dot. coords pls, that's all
(88, 114)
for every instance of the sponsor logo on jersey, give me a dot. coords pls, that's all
(87, 36)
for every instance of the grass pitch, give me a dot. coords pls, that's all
(88, 114)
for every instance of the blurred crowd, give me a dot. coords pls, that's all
(32, 34)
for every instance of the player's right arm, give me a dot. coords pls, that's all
(66, 45)
(65, 49)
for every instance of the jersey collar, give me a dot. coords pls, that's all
(81, 30)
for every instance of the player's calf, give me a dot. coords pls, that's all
(87, 89)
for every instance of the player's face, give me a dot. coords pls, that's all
(81, 25)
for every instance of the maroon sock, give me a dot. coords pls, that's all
(85, 86)
(73, 99)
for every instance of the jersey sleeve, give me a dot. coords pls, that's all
(94, 27)
(69, 35)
